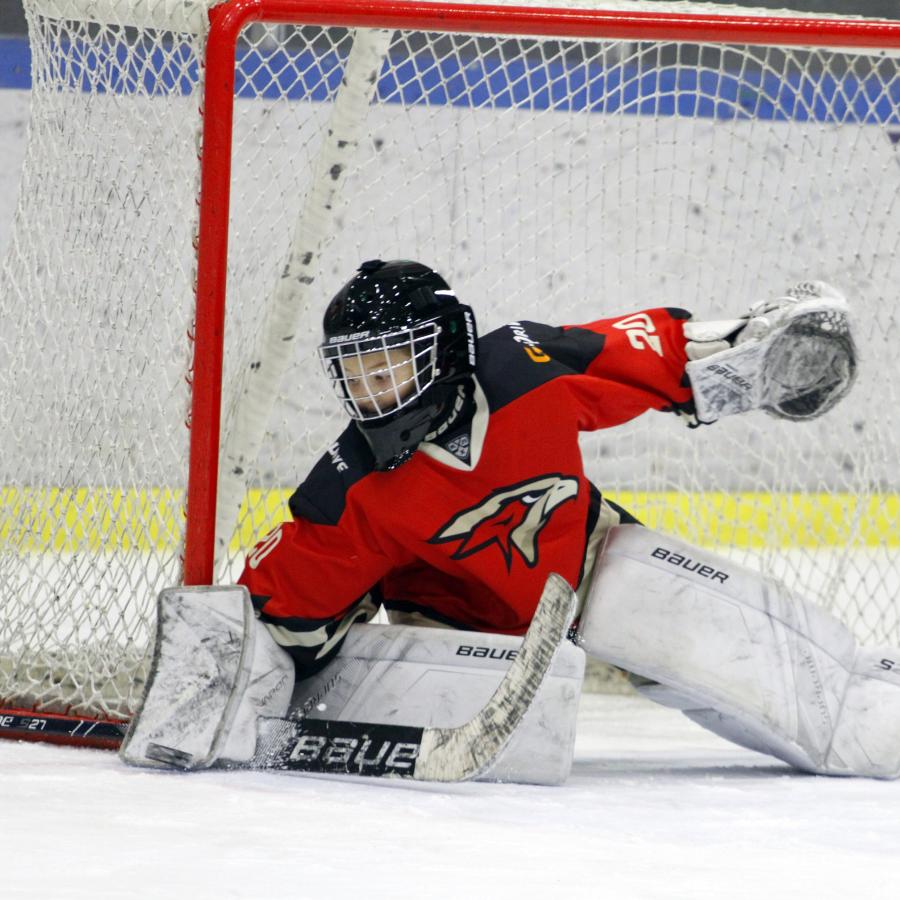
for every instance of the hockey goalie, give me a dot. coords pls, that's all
(452, 495)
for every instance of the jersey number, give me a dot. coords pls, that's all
(641, 332)
(264, 547)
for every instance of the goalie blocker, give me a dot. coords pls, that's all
(742, 656)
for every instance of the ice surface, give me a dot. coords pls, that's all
(655, 808)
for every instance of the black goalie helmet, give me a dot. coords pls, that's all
(397, 347)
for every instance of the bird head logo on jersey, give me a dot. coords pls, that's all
(511, 518)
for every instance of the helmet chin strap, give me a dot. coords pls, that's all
(394, 440)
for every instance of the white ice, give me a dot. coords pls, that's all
(655, 808)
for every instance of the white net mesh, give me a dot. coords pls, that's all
(557, 181)
(96, 296)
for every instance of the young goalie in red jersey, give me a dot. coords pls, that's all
(458, 487)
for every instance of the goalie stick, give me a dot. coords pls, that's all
(422, 753)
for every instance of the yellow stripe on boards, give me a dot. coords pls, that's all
(68, 520)
(266, 510)
(755, 520)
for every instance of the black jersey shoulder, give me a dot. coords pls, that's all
(321, 498)
(522, 356)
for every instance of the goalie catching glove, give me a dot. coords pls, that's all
(794, 357)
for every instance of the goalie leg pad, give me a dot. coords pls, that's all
(742, 656)
(215, 669)
(440, 678)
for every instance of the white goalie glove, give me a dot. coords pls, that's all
(794, 357)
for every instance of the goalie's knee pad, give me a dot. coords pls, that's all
(215, 669)
(794, 357)
(742, 656)
(440, 678)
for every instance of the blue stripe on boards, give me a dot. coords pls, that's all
(107, 68)
(634, 87)
(15, 63)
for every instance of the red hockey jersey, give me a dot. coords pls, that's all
(467, 530)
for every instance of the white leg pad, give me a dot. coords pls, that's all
(742, 656)
(867, 736)
(435, 677)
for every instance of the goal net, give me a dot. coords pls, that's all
(557, 167)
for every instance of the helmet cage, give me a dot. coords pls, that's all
(375, 377)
